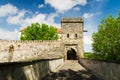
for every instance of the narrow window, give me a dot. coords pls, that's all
(67, 35)
(75, 35)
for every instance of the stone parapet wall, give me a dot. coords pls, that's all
(42, 42)
(31, 70)
(27, 49)
(76, 20)
(105, 70)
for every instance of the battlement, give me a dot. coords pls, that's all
(27, 44)
(72, 20)
(29, 41)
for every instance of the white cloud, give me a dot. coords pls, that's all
(87, 40)
(7, 9)
(88, 15)
(87, 43)
(90, 25)
(88, 48)
(36, 18)
(91, 15)
(76, 8)
(10, 35)
(23, 21)
(42, 18)
(40, 6)
(18, 19)
(64, 5)
(50, 19)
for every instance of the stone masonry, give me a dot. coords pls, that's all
(72, 37)
(72, 34)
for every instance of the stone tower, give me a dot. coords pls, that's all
(72, 35)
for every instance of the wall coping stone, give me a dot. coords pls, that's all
(107, 61)
(25, 62)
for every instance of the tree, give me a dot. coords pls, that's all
(106, 41)
(39, 32)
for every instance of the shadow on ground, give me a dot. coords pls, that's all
(70, 75)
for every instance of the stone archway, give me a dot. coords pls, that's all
(71, 54)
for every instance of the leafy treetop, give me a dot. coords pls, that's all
(106, 41)
(39, 32)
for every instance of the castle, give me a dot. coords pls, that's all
(70, 46)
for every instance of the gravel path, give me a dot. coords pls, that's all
(71, 70)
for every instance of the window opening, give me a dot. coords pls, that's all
(75, 35)
(67, 35)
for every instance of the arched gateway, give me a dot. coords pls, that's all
(72, 37)
(71, 54)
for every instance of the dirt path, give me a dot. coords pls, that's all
(71, 70)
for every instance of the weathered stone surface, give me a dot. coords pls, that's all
(72, 34)
(28, 50)
(72, 37)
(28, 70)
(105, 70)
(71, 70)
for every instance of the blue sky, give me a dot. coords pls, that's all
(17, 14)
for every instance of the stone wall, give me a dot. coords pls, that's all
(72, 33)
(32, 70)
(105, 70)
(25, 50)
(72, 28)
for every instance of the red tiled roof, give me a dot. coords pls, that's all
(59, 30)
(22, 29)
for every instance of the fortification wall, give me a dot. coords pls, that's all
(24, 50)
(72, 19)
(104, 70)
(31, 70)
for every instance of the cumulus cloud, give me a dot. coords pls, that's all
(36, 18)
(91, 26)
(65, 5)
(40, 6)
(88, 15)
(87, 40)
(76, 9)
(42, 18)
(39, 17)
(18, 19)
(14, 16)
(10, 35)
(7, 9)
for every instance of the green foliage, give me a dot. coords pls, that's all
(106, 41)
(39, 32)
(88, 55)
(93, 56)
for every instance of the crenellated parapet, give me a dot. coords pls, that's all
(25, 43)
(29, 41)
(72, 20)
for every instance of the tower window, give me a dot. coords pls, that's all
(67, 35)
(75, 35)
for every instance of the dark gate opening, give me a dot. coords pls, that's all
(71, 54)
